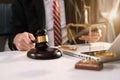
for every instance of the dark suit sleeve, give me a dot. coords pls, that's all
(72, 14)
(18, 21)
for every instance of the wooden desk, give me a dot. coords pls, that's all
(15, 65)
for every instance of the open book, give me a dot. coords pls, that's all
(83, 49)
(115, 47)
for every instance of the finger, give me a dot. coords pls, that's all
(94, 39)
(95, 33)
(84, 38)
(32, 38)
(89, 39)
(26, 38)
(22, 41)
(24, 46)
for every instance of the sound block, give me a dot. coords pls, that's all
(89, 65)
(48, 53)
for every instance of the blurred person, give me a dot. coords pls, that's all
(28, 16)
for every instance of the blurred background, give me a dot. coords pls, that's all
(99, 11)
(5, 27)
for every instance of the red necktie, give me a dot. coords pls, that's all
(56, 24)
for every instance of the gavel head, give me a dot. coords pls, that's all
(41, 40)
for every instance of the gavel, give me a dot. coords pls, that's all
(42, 49)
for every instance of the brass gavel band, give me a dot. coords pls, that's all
(42, 39)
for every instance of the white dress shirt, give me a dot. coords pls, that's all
(49, 20)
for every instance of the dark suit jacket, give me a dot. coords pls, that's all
(70, 8)
(29, 15)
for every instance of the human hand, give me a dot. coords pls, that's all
(91, 37)
(23, 41)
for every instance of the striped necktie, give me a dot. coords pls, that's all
(56, 24)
